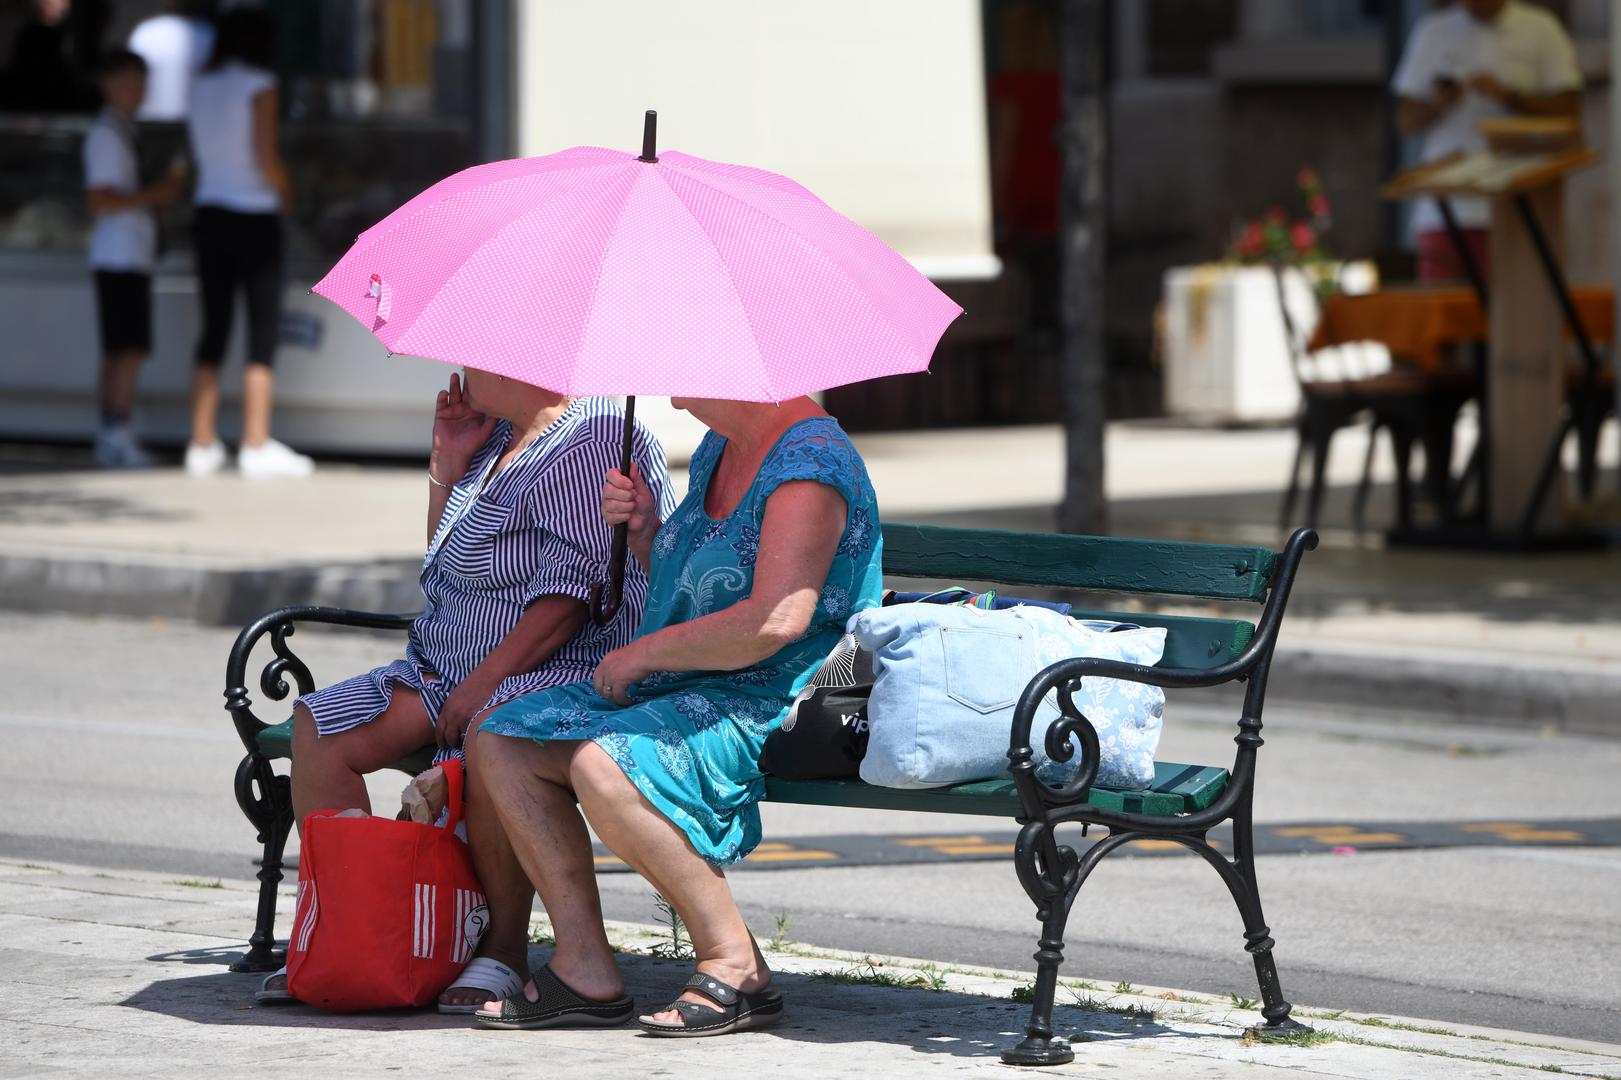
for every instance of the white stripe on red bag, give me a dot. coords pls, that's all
(305, 926)
(422, 943)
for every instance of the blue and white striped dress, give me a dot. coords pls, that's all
(505, 540)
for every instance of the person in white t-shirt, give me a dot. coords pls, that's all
(242, 189)
(123, 247)
(175, 45)
(1473, 61)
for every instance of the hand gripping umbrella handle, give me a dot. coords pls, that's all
(606, 599)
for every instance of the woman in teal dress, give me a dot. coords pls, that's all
(751, 583)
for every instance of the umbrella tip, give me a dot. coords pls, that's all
(650, 127)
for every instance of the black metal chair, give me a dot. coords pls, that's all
(1411, 406)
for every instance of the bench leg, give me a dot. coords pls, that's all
(267, 801)
(1241, 882)
(1050, 876)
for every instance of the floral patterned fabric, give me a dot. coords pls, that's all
(690, 740)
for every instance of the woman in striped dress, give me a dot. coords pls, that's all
(516, 544)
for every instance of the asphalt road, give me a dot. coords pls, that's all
(117, 754)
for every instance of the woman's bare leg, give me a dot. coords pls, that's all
(506, 888)
(635, 831)
(329, 772)
(528, 784)
(205, 404)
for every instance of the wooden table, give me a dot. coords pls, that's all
(1420, 324)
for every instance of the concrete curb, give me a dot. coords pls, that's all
(186, 588)
(1500, 690)
(1435, 686)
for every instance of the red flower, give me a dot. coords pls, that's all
(1302, 236)
(1276, 215)
(1318, 205)
(1307, 177)
(1251, 242)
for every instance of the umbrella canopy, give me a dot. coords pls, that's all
(597, 272)
(594, 271)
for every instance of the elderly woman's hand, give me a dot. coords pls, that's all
(628, 501)
(461, 708)
(458, 431)
(618, 670)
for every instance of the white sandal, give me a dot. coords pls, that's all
(267, 996)
(482, 973)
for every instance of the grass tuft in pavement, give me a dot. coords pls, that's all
(928, 977)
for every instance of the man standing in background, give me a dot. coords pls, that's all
(123, 247)
(1473, 61)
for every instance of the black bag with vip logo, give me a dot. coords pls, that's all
(824, 735)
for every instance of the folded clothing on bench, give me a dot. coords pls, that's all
(960, 596)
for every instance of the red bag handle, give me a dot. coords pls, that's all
(453, 791)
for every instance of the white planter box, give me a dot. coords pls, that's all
(1226, 357)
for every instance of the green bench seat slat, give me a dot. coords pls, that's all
(1178, 789)
(1108, 564)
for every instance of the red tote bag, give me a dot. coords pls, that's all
(388, 911)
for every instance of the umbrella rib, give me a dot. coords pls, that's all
(401, 342)
(698, 178)
(741, 305)
(485, 188)
(596, 286)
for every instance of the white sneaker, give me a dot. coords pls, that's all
(116, 448)
(273, 459)
(205, 460)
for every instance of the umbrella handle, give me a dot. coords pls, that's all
(606, 599)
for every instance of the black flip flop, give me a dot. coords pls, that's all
(738, 1011)
(556, 1005)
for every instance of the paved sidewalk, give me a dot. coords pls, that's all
(1527, 641)
(125, 974)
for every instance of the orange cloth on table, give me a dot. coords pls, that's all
(1419, 324)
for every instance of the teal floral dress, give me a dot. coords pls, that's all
(690, 740)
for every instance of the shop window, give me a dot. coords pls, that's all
(379, 100)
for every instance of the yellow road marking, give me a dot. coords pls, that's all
(1340, 834)
(956, 845)
(1523, 833)
(1156, 845)
(777, 851)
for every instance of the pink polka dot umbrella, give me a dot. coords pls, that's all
(600, 272)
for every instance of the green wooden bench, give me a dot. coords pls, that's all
(1185, 802)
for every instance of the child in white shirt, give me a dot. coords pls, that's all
(123, 248)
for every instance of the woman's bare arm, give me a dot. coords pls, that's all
(545, 627)
(267, 143)
(798, 537)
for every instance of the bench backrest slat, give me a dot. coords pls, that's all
(1191, 641)
(1109, 564)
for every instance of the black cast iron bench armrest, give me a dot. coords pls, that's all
(279, 624)
(1065, 676)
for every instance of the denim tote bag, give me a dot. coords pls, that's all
(947, 679)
